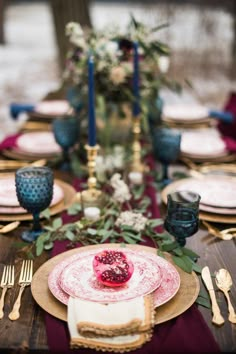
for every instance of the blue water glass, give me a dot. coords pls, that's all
(182, 219)
(66, 133)
(34, 189)
(166, 149)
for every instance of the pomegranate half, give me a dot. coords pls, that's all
(112, 268)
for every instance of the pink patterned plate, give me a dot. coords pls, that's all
(215, 191)
(38, 143)
(169, 286)
(8, 200)
(52, 108)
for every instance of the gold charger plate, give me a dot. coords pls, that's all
(69, 195)
(227, 157)
(18, 155)
(214, 217)
(185, 297)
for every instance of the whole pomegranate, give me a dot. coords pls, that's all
(112, 268)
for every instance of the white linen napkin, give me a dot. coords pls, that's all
(120, 326)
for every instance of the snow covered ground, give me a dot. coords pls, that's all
(28, 65)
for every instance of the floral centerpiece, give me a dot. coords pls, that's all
(113, 60)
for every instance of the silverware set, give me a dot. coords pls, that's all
(8, 280)
(223, 282)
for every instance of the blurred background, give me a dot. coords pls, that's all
(201, 35)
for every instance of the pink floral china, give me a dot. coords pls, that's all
(38, 143)
(54, 107)
(169, 285)
(215, 191)
(202, 143)
(185, 112)
(8, 200)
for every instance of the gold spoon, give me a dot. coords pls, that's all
(224, 282)
(9, 227)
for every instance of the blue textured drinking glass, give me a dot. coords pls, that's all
(182, 218)
(66, 133)
(166, 148)
(34, 189)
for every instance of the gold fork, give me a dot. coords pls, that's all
(7, 281)
(24, 280)
(226, 234)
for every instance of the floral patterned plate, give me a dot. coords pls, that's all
(8, 200)
(168, 284)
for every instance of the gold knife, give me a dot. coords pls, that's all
(217, 317)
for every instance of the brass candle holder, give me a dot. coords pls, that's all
(91, 196)
(137, 165)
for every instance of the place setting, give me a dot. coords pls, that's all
(11, 209)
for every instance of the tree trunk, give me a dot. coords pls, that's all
(64, 12)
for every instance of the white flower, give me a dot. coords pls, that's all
(74, 27)
(121, 190)
(111, 48)
(117, 75)
(136, 220)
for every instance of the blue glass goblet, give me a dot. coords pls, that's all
(166, 149)
(34, 189)
(66, 133)
(182, 218)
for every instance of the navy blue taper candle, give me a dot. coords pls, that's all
(91, 103)
(136, 106)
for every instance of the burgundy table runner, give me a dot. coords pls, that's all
(187, 333)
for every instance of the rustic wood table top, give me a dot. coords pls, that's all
(28, 332)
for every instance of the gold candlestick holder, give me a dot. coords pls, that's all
(137, 165)
(91, 196)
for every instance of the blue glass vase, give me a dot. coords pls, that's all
(66, 133)
(34, 189)
(166, 149)
(182, 218)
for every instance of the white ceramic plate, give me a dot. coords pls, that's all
(52, 108)
(202, 143)
(38, 143)
(185, 112)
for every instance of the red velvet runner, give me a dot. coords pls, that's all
(9, 142)
(188, 333)
(229, 130)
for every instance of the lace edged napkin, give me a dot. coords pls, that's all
(118, 327)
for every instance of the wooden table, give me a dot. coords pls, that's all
(28, 332)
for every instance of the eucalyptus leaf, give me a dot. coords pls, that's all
(70, 235)
(57, 223)
(20, 244)
(91, 231)
(155, 222)
(46, 213)
(203, 302)
(184, 263)
(160, 253)
(197, 268)
(30, 255)
(128, 239)
(39, 247)
(48, 246)
(170, 246)
(190, 253)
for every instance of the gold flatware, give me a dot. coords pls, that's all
(7, 281)
(9, 227)
(14, 164)
(25, 279)
(217, 317)
(224, 283)
(225, 235)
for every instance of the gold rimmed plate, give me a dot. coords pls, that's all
(185, 297)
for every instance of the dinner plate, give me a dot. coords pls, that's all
(52, 107)
(215, 210)
(170, 281)
(58, 196)
(203, 215)
(201, 143)
(78, 279)
(216, 192)
(185, 112)
(68, 198)
(40, 143)
(183, 299)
